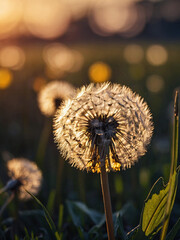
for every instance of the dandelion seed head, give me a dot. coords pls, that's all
(104, 124)
(51, 96)
(27, 174)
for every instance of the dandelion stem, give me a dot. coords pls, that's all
(2, 190)
(43, 142)
(10, 198)
(60, 168)
(107, 203)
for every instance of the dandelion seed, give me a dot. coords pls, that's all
(51, 96)
(24, 174)
(104, 125)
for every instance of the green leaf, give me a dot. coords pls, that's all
(26, 237)
(174, 231)
(50, 204)
(155, 205)
(76, 207)
(47, 216)
(118, 227)
(154, 208)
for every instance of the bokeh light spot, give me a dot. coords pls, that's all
(5, 78)
(60, 59)
(12, 57)
(155, 83)
(46, 20)
(10, 16)
(99, 72)
(156, 55)
(133, 53)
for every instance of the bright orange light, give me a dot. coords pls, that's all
(12, 57)
(156, 55)
(5, 78)
(155, 83)
(39, 83)
(99, 72)
(133, 53)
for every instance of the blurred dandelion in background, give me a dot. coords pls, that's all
(26, 176)
(99, 72)
(107, 125)
(5, 78)
(51, 96)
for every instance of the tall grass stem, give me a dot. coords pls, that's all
(174, 160)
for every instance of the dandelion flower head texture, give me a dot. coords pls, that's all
(104, 125)
(51, 96)
(28, 175)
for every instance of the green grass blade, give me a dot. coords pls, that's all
(51, 201)
(60, 218)
(174, 231)
(47, 216)
(172, 189)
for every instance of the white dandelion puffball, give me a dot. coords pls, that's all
(51, 96)
(27, 174)
(104, 125)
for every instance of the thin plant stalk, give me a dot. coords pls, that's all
(173, 167)
(107, 203)
(9, 199)
(60, 168)
(4, 189)
(43, 142)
